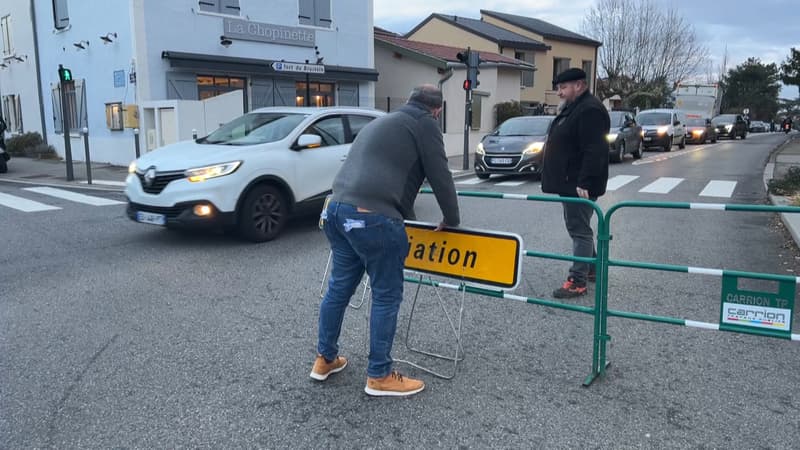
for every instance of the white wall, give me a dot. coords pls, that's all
(19, 78)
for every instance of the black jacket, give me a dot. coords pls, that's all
(576, 152)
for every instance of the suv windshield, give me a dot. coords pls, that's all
(653, 118)
(255, 128)
(725, 118)
(524, 126)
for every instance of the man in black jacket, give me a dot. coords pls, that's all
(576, 165)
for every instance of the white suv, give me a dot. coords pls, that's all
(250, 175)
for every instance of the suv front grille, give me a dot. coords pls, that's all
(161, 181)
(502, 160)
(170, 212)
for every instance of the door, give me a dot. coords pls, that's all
(316, 168)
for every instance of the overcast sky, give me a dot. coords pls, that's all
(765, 29)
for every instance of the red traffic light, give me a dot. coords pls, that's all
(467, 85)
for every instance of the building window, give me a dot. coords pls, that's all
(315, 13)
(229, 7)
(321, 94)
(114, 120)
(60, 14)
(559, 65)
(525, 76)
(5, 29)
(587, 67)
(475, 119)
(12, 112)
(213, 85)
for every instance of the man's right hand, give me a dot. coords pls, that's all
(440, 227)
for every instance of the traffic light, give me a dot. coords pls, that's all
(467, 85)
(64, 74)
(463, 56)
(472, 69)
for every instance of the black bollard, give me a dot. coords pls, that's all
(136, 141)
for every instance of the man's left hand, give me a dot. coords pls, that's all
(582, 193)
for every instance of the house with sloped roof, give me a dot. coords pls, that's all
(550, 48)
(404, 64)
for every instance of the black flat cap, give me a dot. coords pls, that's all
(572, 74)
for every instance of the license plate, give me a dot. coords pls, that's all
(151, 218)
(501, 160)
(648, 139)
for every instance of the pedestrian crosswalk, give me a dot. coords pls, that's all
(657, 185)
(40, 198)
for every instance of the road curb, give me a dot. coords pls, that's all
(790, 220)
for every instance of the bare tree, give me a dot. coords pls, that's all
(643, 44)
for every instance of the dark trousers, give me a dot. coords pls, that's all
(578, 219)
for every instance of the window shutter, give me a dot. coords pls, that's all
(55, 90)
(322, 13)
(306, 12)
(81, 112)
(181, 86)
(209, 5)
(60, 14)
(348, 94)
(285, 92)
(229, 7)
(262, 91)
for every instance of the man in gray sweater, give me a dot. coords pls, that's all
(372, 194)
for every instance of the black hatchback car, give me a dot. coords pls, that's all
(700, 131)
(730, 125)
(514, 148)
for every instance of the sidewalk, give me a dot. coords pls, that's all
(785, 156)
(53, 172)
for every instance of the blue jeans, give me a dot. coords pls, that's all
(375, 243)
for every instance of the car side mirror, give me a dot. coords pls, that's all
(676, 123)
(308, 141)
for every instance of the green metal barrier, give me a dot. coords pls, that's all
(772, 319)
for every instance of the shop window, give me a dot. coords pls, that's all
(60, 14)
(213, 85)
(114, 115)
(229, 7)
(5, 29)
(321, 94)
(315, 13)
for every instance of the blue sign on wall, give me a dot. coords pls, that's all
(119, 78)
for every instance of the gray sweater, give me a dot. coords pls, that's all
(389, 160)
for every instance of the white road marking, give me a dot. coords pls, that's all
(619, 181)
(662, 185)
(718, 188)
(23, 204)
(74, 197)
(511, 183)
(471, 181)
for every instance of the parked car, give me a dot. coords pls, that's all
(514, 148)
(663, 128)
(625, 136)
(730, 126)
(757, 126)
(700, 130)
(251, 174)
(4, 158)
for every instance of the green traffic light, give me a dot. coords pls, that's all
(67, 75)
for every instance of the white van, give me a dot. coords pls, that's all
(663, 128)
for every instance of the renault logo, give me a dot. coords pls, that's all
(149, 176)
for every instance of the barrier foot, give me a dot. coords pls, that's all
(593, 376)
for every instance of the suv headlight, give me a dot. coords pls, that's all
(533, 148)
(479, 150)
(611, 137)
(729, 127)
(132, 167)
(663, 130)
(204, 173)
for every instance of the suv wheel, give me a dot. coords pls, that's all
(639, 150)
(668, 147)
(3, 166)
(482, 176)
(744, 135)
(620, 153)
(682, 144)
(263, 214)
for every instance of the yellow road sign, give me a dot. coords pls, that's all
(484, 257)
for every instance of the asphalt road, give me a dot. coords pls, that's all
(117, 334)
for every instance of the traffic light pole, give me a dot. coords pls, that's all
(467, 124)
(65, 123)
